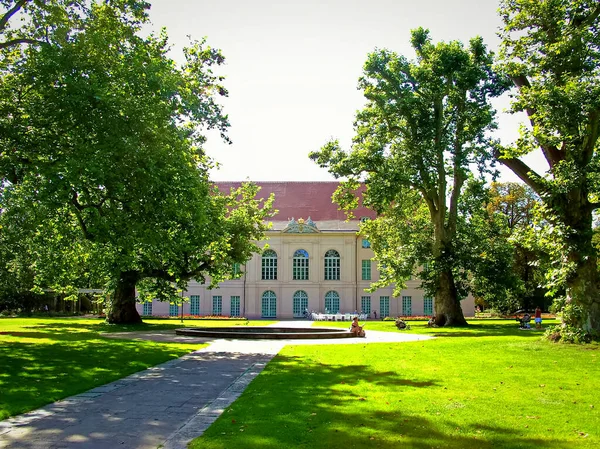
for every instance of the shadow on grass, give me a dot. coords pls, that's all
(142, 413)
(298, 403)
(62, 363)
(103, 327)
(488, 329)
(479, 328)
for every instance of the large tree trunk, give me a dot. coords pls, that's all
(447, 305)
(583, 285)
(122, 309)
(583, 291)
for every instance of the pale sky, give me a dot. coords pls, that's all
(292, 68)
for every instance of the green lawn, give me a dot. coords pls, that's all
(488, 386)
(43, 360)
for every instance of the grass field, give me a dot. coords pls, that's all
(487, 386)
(46, 359)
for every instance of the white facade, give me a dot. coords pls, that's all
(274, 298)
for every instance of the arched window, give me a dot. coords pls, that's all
(269, 304)
(332, 302)
(300, 266)
(300, 303)
(269, 265)
(332, 265)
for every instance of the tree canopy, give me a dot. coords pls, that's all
(101, 130)
(551, 51)
(424, 126)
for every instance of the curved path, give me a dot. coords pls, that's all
(164, 406)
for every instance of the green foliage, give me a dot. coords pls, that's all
(411, 240)
(547, 237)
(489, 260)
(569, 334)
(508, 269)
(570, 331)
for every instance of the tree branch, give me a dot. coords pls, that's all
(589, 142)
(77, 209)
(11, 12)
(428, 200)
(589, 20)
(459, 177)
(593, 206)
(168, 276)
(22, 40)
(552, 154)
(522, 170)
(439, 152)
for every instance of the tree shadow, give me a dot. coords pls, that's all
(489, 329)
(478, 328)
(140, 412)
(295, 402)
(34, 373)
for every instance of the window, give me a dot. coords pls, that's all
(366, 270)
(406, 305)
(384, 306)
(173, 310)
(269, 265)
(217, 309)
(269, 304)
(236, 270)
(428, 306)
(300, 303)
(300, 265)
(147, 308)
(365, 304)
(365, 242)
(332, 302)
(235, 306)
(194, 305)
(332, 265)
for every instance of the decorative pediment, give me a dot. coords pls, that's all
(301, 227)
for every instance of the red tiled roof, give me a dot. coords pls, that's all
(302, 199)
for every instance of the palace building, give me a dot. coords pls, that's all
(315, 261)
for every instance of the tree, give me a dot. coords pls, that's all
(551, 51)
(106, 132)
(502, 272)
(37, 22)
(42, 255)
(425, 123)
(515, 204)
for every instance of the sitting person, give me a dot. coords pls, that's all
(356, 329)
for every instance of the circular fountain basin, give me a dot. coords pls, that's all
(265, 333)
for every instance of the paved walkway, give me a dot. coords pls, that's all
(165, 406)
